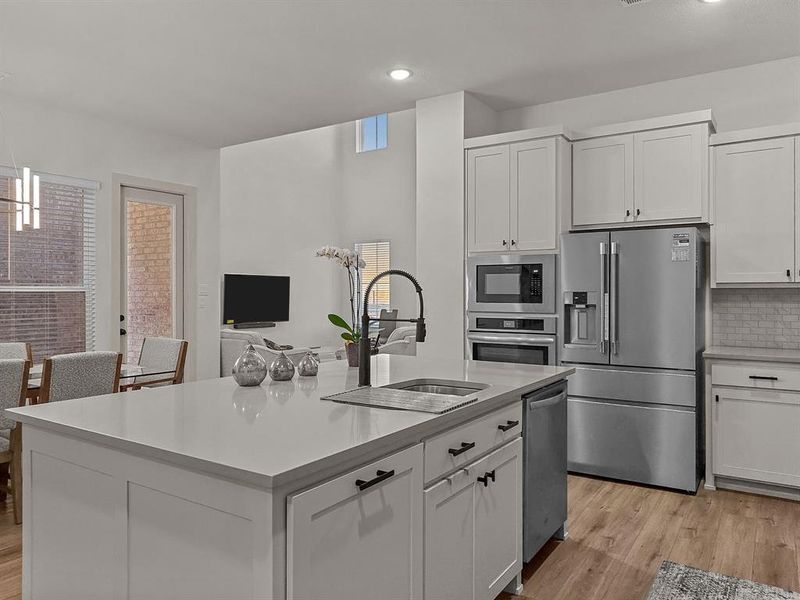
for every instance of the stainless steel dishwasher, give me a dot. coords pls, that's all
(544, 468)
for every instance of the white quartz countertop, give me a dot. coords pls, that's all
(278, 433)
(753, 354)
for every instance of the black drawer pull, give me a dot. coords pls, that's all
(486, 477)
(764, 377)
(382, 476)
(508, 425)
(464, 447)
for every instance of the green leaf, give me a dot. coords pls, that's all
(340, 322)
(348, 337)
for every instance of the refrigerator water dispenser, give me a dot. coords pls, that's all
(580, 318)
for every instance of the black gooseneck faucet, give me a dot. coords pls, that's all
(364, 374)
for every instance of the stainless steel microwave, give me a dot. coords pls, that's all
(512, 283)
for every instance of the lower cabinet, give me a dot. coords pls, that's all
(473, 528)
(756, 435)
(359, 535)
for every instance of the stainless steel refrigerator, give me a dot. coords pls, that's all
(633, 324)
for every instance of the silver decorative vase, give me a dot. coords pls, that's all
(250, 368)
(308, 366)
(281, 369)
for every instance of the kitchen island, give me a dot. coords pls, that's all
(209, 490)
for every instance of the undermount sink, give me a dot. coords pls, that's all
(438, 386)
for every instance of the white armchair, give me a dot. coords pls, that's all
(233, 342)
(402, 340)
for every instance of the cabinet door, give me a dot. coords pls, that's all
(449, 536)
(488, 199)
(345, 542)
(669, 166)
(602, 180)
(757, 435)
(534, 211)
(754, 212)
(498, 520)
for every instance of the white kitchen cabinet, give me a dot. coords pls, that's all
(488, 206)
(498, 520)
(602, 184)
(359, 535)
(534, 210)
(474, 517)
(669, 167)
(513, 195)
(756, 435)
(755, 232)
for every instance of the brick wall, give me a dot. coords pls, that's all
(149, 274)
(759, 318)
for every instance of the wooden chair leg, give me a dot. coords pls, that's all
(3, 480)
(16, 473)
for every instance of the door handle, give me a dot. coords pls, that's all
(508, 425)
(380, 476)
(603, 298)
(464, 447)
(613, 297)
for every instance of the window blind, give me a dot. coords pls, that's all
(47, 275)
(377, 255)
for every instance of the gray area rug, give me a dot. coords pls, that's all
(679, 582)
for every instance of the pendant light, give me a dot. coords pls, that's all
(28, 200)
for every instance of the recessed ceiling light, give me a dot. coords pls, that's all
(399, 74)
(709, 1)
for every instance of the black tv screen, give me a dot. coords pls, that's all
(254, 298)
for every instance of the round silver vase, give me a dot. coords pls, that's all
(250, 368)
(308, 367)
(281, 369)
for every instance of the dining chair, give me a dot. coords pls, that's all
(16, 350)
(161, 353)
(13, 385)
(80, 375)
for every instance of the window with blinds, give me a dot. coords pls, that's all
(47, 274)
(377, 256)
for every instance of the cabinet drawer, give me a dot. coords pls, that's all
(461, 445)
(761, 376)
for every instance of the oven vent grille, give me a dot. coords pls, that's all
(632, 2)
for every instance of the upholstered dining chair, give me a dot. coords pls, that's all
(161, 353)
(16, 350)
(80, 375)
(13, 385)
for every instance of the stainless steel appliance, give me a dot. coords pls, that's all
(544, 486)
(512, 283)
(633, 312)
(512, 337)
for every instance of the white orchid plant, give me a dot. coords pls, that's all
(352, 263)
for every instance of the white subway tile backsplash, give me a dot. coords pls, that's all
(763, 318)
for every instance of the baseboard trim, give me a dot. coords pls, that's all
(754, 487)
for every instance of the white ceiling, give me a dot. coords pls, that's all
(224, 72)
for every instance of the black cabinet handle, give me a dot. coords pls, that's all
(716, 397)
(638, 212)
(123, 331)
(513, 242)
(381, 476)
(464, 447)
(764, 377)
(504, 242)
(486, 477)
(508, 425)
(788, 273)
(628, 212)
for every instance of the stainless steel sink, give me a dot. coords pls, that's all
(439, 386)
(424, 395)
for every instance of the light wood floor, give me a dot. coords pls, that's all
(618, 536)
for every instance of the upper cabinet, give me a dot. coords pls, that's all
(755, 235)
(659, 175)
(515, 194)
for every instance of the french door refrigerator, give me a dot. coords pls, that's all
(632, 318)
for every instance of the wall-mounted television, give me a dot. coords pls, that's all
(255, 299)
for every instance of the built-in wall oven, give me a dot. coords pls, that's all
(512, 283)
(512, 338)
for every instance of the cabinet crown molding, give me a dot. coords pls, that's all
(676, 120)
(753, 134)
(522, 135)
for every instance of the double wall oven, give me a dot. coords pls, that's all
(511, 309)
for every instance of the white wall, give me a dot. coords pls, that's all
(753, 96)
(440, 222)
(51, 140)
(284, 197)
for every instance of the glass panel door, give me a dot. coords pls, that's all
(152, 263)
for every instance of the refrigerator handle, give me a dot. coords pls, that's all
(613, 296)
(603, 298)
